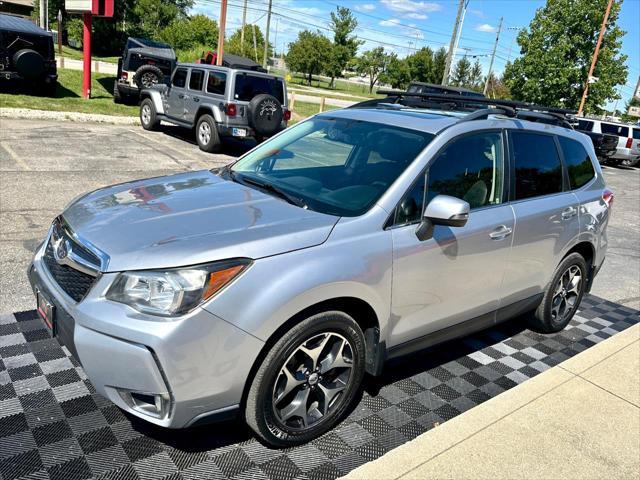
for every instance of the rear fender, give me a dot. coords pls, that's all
(212, 110)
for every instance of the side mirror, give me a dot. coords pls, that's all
(443, 210)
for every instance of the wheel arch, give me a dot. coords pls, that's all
(358, 309)
(212, 110)
(155, 97)
(588, 251)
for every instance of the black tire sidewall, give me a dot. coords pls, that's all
(137, 77)
(259, 410)
(214, 141)
(543, 313)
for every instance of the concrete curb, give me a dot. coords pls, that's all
(29, 114)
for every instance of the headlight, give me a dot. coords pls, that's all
(173, 292)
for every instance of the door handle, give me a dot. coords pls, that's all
(568, 213)
(181, 96)
(501, 233)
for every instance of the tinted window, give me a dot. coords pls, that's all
(337, 166)
(217, 83)
(180, 78)
(248, 86)
(469, 168)
(636, 133)
(577, 161)
(412, 205)
(585, 125)
(537, 166)
(612, 129)
(196, 79)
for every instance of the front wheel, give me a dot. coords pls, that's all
(307, 380)
(563, 295)
(148, 115)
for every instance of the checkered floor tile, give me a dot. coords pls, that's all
(54, 426)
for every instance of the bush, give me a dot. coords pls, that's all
(75, 29)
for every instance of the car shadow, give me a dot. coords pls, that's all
(231, 146)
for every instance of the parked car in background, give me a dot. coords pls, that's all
(219, 102)
(422, 87)
(604, 144)
(267, 288)
(627, 150)
(144, 63)
(27, 58)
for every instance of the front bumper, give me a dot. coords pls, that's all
(198, 363)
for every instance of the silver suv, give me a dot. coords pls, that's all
(266, 289)
(218, 102)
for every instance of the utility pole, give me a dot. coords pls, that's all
(244, 21)
(60, 33)
(493, 56)
(43, 12)
(452, 44)
(275, 40)
(223, 22)
(266, 40)
(595, 57)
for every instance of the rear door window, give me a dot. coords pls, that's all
(217, 83)
(613, 129)
(196, 79)
(585, 125)
(577, 161)
(180, 78)
(636, 133)
(538, 170)
(248, 86)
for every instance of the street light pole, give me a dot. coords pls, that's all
(595, 57)
(454, 35)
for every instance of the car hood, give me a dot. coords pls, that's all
(188, 219)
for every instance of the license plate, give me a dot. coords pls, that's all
(239, 132)
(46, 311)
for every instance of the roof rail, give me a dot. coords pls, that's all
(479, 107)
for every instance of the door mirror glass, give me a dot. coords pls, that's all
(443, 210)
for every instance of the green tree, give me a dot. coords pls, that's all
(373, 63)
(498, 88)
(309, 53)
(397, 74)
(147, 18)
(186, 33)
(439, 62)
(475, 78)
(345, 46)
(421, 65)
(556, 52)
(461, 76)
(248, 49)
(633, 102)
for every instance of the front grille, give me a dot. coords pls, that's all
(76, 284)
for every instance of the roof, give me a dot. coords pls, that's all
(224, 67)
(21, 25)
(149, 47)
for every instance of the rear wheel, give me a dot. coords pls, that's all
(207, 134)
(563, 295)
(148, 116)
(307, 380)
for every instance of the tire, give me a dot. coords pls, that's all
(265, 115)
(29, 63)
(147, 76)
(148, 115)
(338, 332)
(561, 300)
(207, 134)
(117, 97)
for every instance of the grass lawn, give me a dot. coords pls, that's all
(69, 96)
(76, 54)
(342, 86)
(302, 110)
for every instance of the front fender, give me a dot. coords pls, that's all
(156, 97)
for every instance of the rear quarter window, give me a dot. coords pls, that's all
(578, 162)
(636, 133)
(585, 125)
(248, 86)
(612, 129)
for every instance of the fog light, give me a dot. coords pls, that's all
(153, 404)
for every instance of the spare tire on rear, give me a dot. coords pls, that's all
(28, 63)
(147, 76)
(265, 114)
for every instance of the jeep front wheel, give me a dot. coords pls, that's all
(207, 134)
(148, 116)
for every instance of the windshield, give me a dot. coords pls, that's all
(335, 166)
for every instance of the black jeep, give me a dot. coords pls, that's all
(27, 58)
(144, 63)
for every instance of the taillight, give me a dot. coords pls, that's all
(125, 75)
(629, 142)
(287, 115)
(231, 109)
(608, 196)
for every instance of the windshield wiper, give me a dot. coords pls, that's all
(298, 202)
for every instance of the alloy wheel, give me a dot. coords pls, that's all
(146, 114)
(566, 294)
(149, 79)
(313, 381)
(204, 132)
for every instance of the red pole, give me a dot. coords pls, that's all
(223, 23)
(86, 50)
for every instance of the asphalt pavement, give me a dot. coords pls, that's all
(45, 164)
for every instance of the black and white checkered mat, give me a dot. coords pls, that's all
(54, 426)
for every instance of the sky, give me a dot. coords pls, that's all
(402, 26)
